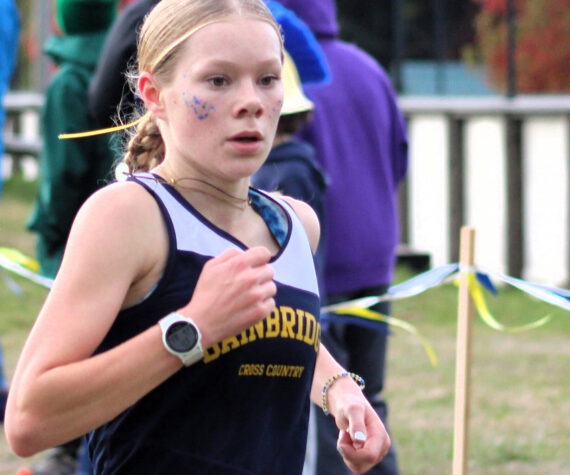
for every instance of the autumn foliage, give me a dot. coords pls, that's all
(542, 56)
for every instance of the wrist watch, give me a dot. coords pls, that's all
(182, 338)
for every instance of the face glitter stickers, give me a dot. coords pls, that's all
(201, 109)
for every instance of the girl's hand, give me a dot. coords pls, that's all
(234, 291)
(363, 441)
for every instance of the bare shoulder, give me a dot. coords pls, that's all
(117, 202)
(309, 219)
(117, 230)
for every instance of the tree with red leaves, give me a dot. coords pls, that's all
(542, 56)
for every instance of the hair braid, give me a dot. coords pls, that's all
(145, 149)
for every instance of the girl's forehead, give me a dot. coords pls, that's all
(235, 33)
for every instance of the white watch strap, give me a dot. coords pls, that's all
(188, 358)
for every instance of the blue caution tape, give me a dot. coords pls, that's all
(20, 264)
(353, 310)
(484, 280)
(12, 285)
(552, 295)
(414, 286)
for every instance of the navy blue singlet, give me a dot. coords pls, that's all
(244, 408)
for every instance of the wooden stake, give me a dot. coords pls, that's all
(463, 356)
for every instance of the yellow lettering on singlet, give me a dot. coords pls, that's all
(251, 370)
(300, 320)
(284, 371)
(256, 331)
(283, 321)
(229, 344)
(318, 338)
(310, 329)
(243, 337)
(287, 322)
(213, 352)
(273, 324)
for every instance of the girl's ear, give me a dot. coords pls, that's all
(151, 95)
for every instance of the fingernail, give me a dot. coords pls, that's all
(360, 436)
(340, 451)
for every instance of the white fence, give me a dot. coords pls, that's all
(499, 165)
(22, 134)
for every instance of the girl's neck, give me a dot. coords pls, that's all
(201, 190)
(229, 212)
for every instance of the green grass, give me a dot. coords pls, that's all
(17, 312)
(520, 398)
(520, 391)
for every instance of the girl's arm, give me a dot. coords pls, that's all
(116, 251)
(363, 440)
(59, 391)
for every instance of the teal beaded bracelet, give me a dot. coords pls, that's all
(357, 379)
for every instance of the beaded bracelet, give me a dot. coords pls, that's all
(357, 379)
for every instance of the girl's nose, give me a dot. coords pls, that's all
(249, 101)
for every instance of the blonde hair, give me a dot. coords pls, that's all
(165, 30)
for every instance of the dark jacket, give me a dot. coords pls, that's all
(360, 140)
(109, 87)
(70, 169)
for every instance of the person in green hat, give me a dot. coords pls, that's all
(70, 170)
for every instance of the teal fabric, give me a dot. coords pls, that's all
(85, 16)
(70, 169)
(272, 214)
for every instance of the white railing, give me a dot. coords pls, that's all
(500, 165)
(22, 134)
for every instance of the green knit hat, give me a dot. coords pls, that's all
(85, 16)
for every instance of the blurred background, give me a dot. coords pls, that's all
(434, 47)
(485, 87)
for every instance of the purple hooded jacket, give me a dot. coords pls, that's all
(360, 138)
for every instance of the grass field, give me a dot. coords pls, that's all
(520, 397)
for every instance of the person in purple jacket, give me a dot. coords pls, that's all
(360, 140)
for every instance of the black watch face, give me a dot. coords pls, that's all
(181, 337)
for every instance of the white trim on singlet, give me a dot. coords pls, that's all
(294, 265)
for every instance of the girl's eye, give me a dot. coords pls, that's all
(218, 81)
(268, 80)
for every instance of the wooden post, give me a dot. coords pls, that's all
(463, 356)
